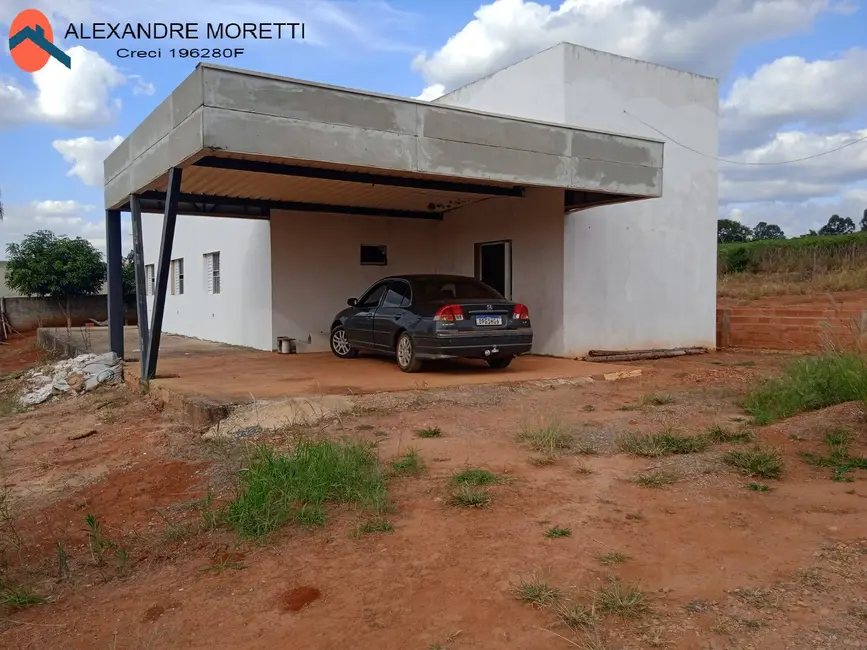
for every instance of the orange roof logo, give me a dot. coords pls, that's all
(31, 42)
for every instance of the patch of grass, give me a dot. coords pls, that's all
(471, 496)
(20, 597)
(610, 559)
(475, 477)
(9, 405)
(536, 591)
(588, 408)
(543, 460)
(635, 516)
(581, 468)
(656, 479)
(735, 364)
(665, 443)
(96, 539)
(839, 460)
(628, 407)
(575, 616)
(558, 531)
(410, 463)
(859, 612)
(547, 439)
(719, 435)
(585, 449)
(809, 384)
(621, 599)
(758, 487)
(756, 462)
(754, 597)
(657, 400)
(374, 525)
(434, 432)
(274, 489)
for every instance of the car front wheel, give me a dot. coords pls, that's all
(499, 363)
(405, 352)
(340, 346)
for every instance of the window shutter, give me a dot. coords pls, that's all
(209, 272)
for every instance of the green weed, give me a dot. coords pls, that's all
(758, 462)
(274, 489)
(557, 531)
(662, 444)
(434, 432)
(809, 384)
(410, 463)
(470, 496)
(839, 460)
(475, 477)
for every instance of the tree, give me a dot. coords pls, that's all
(767, 231)
(129, 279)
(863, 219)
(1, 206)
(837, 225)
(729, 231)
(60, 268)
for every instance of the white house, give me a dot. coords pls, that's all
(611, 241)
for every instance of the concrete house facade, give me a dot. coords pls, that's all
(550, 179)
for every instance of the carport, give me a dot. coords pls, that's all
(236, 144)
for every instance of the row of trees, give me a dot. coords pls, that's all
(730, 231)
(61, 268)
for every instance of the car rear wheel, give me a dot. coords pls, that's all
(340, 346)
(499, 363)
(404, 350)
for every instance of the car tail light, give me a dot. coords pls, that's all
(521, 312)
(449, 313)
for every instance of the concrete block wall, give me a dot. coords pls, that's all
(791, 328)
(28, 314)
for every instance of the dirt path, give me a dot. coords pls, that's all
(722, 566)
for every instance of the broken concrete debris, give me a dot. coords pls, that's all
(82, 374)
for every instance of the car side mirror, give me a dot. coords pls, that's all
(352, 302)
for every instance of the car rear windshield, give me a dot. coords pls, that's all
(447, 289)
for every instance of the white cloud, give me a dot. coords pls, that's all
(700, 35)
(77, 97)
(431, 93)
(793, 90)
(822, 176)
(140, 86)
(87, 155)
(69, 218)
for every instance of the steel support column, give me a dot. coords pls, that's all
(114, 257)
(140, 280)
(170, 217)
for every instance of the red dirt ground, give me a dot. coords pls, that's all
(19, 352)
(722, 566)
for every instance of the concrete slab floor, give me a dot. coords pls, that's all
(235, 375)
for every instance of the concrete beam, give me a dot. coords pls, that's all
(260, 115)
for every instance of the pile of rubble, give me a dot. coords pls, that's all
(82, 374)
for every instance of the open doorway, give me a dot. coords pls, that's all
(494, 265)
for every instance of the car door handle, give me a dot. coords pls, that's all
(396, 316)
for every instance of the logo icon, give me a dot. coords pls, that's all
(31, 42)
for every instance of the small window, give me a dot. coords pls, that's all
(178, 276)
(212, 272)
(150, 281)
(374, 255)
(398, 295)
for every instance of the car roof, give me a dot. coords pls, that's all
(413, 277)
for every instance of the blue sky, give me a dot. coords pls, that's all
(782, 108)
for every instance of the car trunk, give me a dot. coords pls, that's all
(481, 315)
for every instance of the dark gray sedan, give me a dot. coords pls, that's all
(419, 317)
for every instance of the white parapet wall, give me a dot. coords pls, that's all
(240, 314)
(641, 274)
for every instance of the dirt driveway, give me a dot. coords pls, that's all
(113, 536)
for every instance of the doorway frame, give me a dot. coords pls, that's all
(477, 261)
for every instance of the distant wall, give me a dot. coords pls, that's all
(794, 328)
(28, 314)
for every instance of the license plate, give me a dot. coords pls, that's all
(489, 320)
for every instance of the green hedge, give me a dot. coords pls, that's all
(807, 255)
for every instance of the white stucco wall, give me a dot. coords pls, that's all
(641, 274)
(241, 313)
(316, 266)
(534, 225)
(316, 260)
